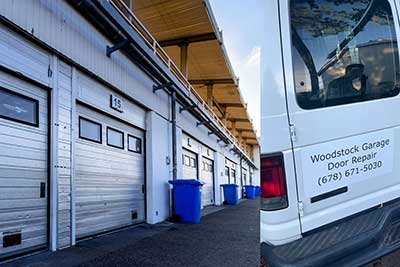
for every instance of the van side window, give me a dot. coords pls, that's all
(343, 51)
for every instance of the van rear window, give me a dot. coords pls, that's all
(343, 51)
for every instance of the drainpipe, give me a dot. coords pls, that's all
(174, 141)
(241, 176)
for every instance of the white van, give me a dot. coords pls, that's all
(330, 140)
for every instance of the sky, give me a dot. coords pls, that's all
(242, 34)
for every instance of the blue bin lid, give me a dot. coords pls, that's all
(249, 185)
(185, 182)
(229, 185)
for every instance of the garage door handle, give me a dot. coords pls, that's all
(42, 190)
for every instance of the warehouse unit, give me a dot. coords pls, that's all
(89, 139)
(207, 176)
(24, 135)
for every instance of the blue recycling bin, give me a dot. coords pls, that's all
(250, 191)
(257, 191)
(231, 193)
(187, 199)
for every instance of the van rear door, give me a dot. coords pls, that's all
(342, 81)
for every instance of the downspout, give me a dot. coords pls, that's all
(174, 152)
(174, 141)
(241, 176)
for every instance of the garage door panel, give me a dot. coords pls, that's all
(115, 190)
(20, 204)
(27, 243)
(20, 152)
(189, 165)
(108, 198)
(97, 211)
(21, 224)
(23, 167)
(207, 193)
(20, 182)
(19, 192)
(89, 150)
(109, 180)
(18, 173)
(103, 166)
(28, 163)
(22, 131)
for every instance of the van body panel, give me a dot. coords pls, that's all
(276, 226)
(347, 125)
(272, 233)
(274, 127)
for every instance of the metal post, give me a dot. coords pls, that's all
(54, 156)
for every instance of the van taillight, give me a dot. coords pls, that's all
(273, 183)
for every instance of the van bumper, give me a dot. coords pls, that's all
(351, 242)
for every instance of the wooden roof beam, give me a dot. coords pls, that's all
(242, 129)
(212, 81)
(238, 120)
(222, 110)
(233, 105)
(188, 39)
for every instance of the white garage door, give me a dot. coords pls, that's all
(109, 174)
(23, 166)
(207, 177)
(189, 162)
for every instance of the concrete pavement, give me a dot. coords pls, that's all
(227, 237)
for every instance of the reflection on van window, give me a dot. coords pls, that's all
(343, 51)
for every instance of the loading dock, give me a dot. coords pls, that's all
(109, 173)
(24, 168)
(189, 165)
(207, 177)
(230, 171)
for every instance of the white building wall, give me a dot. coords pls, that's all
(219, 172)
(60, 26)
(159, 168)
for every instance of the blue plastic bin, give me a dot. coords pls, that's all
(257, 190)
(231, 193)
(250, 191)
(187, 199)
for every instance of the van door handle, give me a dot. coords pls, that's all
(42, 190)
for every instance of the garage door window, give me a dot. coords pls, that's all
(19, 108)
(193, 162)
(343, 52)
(115, 138)
(89, 130)
(186, 161)
(227, 171)
(134, 144)
(233, 174)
